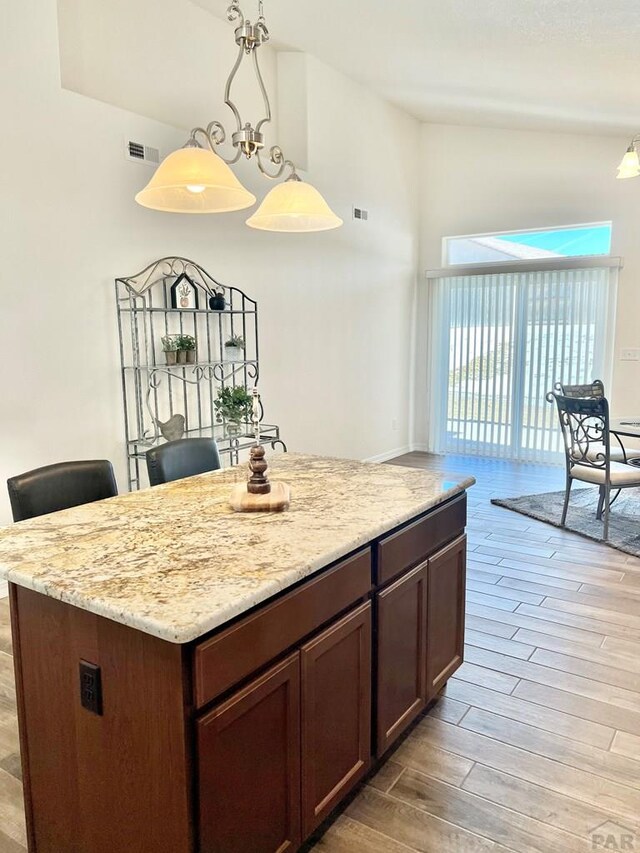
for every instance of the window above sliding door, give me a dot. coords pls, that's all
(568, 241)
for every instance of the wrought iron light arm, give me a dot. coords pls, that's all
(246, 139)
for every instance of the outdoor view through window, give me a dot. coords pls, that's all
(566, 242)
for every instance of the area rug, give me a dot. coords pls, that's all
(624, 519)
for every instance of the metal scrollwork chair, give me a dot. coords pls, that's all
(619, 453)
(584, 422)
(593, 389)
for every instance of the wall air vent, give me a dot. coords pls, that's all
(141, 153)
(360, 213)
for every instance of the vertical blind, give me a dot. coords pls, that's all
(499, 342)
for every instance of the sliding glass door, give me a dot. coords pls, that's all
(499, 343)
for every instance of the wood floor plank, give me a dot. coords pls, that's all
(12, 818)
(580, 706)
(387, 776)
(482, 817)
(484, 558)
(602, 613)
(510, 545)
(476, 574)
(617, 645)
(586, 623)
(491, 601)
(610, 796)
(601, 762)
(498, 644)
(576, 684)
(449, 709)
(347, 835)
(7, 677)
(490, 626)
(5, 627)
(503, 570)
(626, 744)
(429, 758)
(564, 569)
(535, 801)
(605, 656)
(548, 719)
(606, 673)
(499, 681)
(537, 623)
(8, 845)
(504, 592)
(628, 590)
(414, 827)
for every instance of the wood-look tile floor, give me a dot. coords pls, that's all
(535, 743)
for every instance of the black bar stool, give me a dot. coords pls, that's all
(60, 486)
(182, 458)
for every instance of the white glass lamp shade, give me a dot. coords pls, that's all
(194, 180)
(630, 164)
(295, 207)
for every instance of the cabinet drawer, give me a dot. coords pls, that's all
(414, 543)
(225, 659)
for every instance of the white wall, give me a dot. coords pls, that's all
(478, 180)
(335, 308)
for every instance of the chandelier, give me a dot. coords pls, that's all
(630, 164)
(197, 178)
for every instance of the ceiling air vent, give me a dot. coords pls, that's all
(141, 153)
(360, 213)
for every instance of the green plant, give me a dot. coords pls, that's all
(186, 342)
(233, 404)
(235, 341)
(169, 343)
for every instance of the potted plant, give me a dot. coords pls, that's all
(234, 348)
(170, 348)
(186, 349)
(233, 406)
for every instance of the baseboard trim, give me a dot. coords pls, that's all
(390, 454)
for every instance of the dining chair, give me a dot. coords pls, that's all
(584, 422)
(593, 389)
(60, 486)
(619, 451)
(182, 458)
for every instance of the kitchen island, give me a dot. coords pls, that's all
(193, 679)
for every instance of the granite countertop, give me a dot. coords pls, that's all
(175, 561)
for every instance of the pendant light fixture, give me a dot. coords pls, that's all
(198, 179)
(630, 164)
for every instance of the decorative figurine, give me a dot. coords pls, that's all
(258, 494)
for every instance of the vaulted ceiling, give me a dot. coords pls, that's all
(546, 64)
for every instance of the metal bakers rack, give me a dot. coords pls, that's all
(166, 401)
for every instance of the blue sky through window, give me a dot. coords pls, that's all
(570, 242)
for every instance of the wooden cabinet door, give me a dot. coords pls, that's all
(445, 618)
(249, 766)
(402, 655)
(336, 714)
